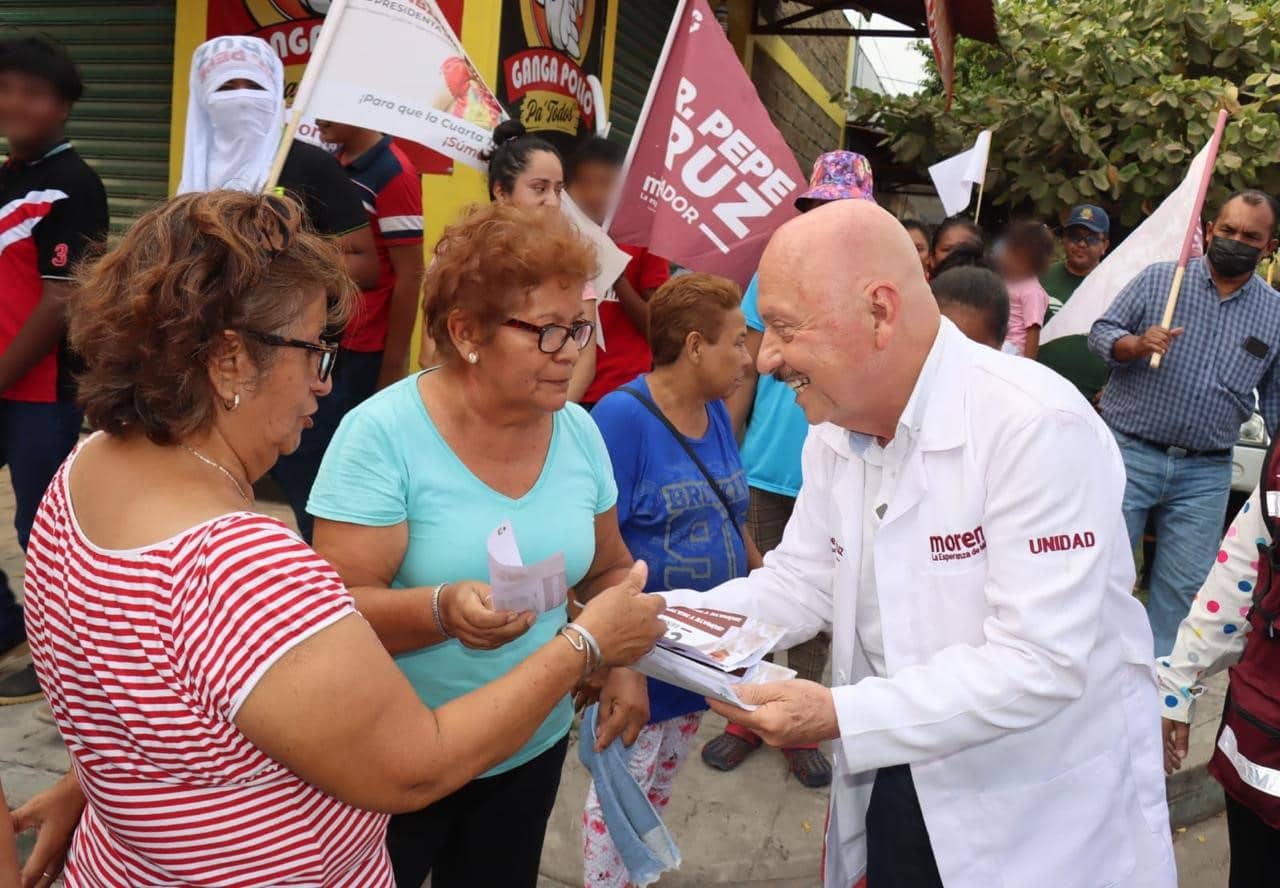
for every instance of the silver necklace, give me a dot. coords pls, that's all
(221, 468)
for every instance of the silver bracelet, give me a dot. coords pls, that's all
(435, 611)
(597, 659)
(579, 644)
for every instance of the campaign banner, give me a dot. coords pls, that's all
(549, 51)
(396, 66)
(709, 177)
(424, 89)
(292, 28)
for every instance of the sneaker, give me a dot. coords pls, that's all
(20, 687)
(809, 766)
(726, 752)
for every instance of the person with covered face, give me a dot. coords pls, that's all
(1176, 424)
(992, 707)
(235, 119)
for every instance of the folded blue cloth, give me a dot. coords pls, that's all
(637, 831)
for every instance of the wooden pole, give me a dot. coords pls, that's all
(315, 67)
(1193, 225)
(978, 209)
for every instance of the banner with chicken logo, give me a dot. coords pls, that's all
(551, 51)
(292, 28)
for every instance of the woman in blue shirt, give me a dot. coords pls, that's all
(686, 530)
(421, 474)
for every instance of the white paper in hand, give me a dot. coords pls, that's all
(539, 587)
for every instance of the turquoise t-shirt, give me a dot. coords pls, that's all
(388, 464)
(777, 428)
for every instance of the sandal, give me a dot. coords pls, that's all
(810, 767)
(726, 752)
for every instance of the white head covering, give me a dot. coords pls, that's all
(232, 136)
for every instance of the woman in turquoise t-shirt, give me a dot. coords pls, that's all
(420, 475)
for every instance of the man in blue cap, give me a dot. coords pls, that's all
(1085, 240)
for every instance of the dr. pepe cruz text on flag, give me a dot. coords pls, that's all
(709, 177)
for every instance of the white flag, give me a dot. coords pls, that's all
(955, 177)
(398, 68)
(1157, 239)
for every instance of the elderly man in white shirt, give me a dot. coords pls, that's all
(959, 532)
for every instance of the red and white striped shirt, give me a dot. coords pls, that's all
(146, 655)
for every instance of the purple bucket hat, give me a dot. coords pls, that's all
(839, 175)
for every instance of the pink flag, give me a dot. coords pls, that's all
(708, 177)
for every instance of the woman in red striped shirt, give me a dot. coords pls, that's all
(231, 720)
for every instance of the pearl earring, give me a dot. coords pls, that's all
(473, 357)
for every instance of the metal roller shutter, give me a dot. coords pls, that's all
(642, 29)
(125, 53)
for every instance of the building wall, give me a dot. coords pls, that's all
(796, 76)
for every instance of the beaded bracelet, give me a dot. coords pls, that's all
(435, 611)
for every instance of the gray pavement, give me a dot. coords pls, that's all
(755, 827)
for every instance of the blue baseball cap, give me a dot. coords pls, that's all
(1093, 218)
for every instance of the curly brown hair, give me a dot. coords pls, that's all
(149, 314)
(488, 261)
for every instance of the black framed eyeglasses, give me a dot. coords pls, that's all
(328, 350)
(552, 337)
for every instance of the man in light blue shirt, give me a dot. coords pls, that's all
(773, 429)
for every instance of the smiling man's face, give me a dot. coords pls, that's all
(814, 340)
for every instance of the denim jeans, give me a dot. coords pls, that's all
(1187, 498)
(355, 378)
(34, 440)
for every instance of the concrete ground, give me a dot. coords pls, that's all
(755, 827)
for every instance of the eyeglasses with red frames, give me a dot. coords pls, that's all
(328, 350)
(553, 337)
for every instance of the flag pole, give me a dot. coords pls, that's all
(646, 108)
(1193, 225)
(981, 185)
(309, 78)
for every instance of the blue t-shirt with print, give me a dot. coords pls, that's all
(669, 515)
(777, 428)
(388, 464)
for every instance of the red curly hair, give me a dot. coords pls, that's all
(488, 261)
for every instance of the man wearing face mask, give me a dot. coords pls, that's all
(1176, 424)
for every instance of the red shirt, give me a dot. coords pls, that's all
(392, 193)
(51, 210)
(626, 349)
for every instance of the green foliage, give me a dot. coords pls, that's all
(1104, 101)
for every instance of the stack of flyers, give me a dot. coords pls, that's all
(717, 638)
(709, 652)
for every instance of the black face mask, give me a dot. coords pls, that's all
(1231, 258)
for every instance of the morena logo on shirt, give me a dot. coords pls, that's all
(1063, 542)
(958, 546)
